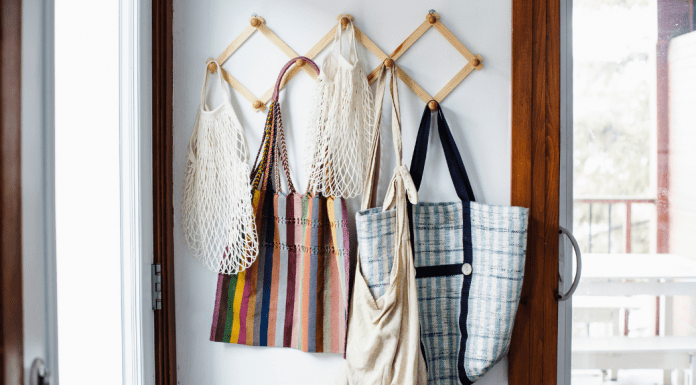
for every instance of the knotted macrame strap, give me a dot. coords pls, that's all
(264, 139)
(280, 152)
(270, 164)
(260, 173)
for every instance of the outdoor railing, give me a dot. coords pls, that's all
(628, 226)
(609, 201)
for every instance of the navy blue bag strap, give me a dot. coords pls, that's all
(460, 179)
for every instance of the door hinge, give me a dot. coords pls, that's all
(156, 286)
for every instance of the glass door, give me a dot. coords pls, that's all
(634, 199)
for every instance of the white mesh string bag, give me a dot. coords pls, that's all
(339, 133)
(217, 214)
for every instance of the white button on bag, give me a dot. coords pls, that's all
(466, 268)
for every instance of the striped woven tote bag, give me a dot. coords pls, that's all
(294, 294)
(469, 260)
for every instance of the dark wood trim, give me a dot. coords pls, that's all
(536, 122)
(163, 209)
(11, 317)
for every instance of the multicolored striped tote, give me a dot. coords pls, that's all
(295, 294)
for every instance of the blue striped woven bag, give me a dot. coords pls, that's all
(469, 260)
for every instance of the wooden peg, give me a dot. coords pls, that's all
(212, 67)
(388, 62)
(257, 104)
(476, 62)
(299, 62)
(431, 18)
(432, 105)
(344, 22)
(255, 22)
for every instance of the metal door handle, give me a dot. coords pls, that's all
(39, 374)
(576, 281)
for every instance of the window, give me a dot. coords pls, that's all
(103, 192)
(87, 191)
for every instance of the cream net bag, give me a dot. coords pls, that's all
(339, 133)
(216, 213)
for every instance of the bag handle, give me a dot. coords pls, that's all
(455, 165)
(338, 42)
(255, 170)
(369, 189)
(401, 189)
(267, 152)
(287, 65)
(204, 91)
(277, 150)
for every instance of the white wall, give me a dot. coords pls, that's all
(478, 112)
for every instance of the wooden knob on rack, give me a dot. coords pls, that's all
(432, 105)
(344, 22)
(255, 22)
(212, 67)
(388, 62)
(476, 62)
(299, 62)
(431, 18)
(257, 104)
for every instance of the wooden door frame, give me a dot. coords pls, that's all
(536, 107)
(536, 122)
(162, 187)
(11, 311)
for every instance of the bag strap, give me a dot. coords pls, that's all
(274, 146)
(268, 163)
(204, 91)
(369, 189)
(338, 43)
(401, 189)
(370, 185)
(264, 139)
(287, 65)
(457, 171)
(192, 151)
(268, 153)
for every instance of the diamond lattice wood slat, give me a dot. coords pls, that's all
(258, 23)
(431, 20)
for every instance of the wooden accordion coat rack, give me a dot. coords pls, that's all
(258, 23)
